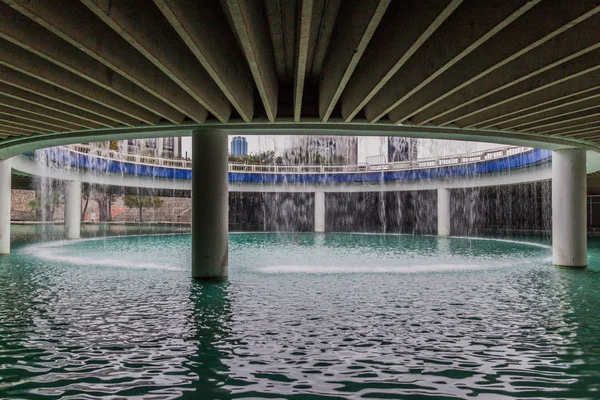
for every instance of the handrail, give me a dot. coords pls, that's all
(420, 163)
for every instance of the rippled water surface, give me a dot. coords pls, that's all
(301, 317)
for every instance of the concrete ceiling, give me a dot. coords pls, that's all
(500, 69)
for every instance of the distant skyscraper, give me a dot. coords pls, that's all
(239, 146)
(321, 150)
(401, 149)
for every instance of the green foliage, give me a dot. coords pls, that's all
(295, 157)
(292, 157)
(265, 157)
(35, 204)
(38, 206)
(133, 201)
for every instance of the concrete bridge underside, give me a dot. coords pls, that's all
(501, 70)
(505, 71)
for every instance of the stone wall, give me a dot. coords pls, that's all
(174, 209)
(20, 208)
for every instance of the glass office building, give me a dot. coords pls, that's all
(239, 146)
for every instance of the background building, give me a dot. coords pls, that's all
(169, 147)
(239, 146)
(320, 150)
(401, 149)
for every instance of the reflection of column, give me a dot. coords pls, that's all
(209, 205)
(569, 231)
(5, 194)
(443, 208)
(210, 322)
(73, 210)
(319, 212)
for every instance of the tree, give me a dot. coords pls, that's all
(265, 157)
(44, 209)
(104, 201)
(132, 201)
(36, 207)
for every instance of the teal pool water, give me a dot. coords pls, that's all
(307, 316)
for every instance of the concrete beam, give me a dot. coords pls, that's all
(76, 24)
(14, 129)
(25, 124)
(586, 121)
(281, 15)
(537, 113)
(304, 30)
(138, 26)
(583, 133)
(355, 26)
(550, 117)
(532, 29)
(250, 25)
(572, 121)
(51, 94)
(538, 101)
(28, 63)
(404, 31)
(325, 13)
(7, 132)
(470, 28)
(566, 51)
(220, 55)
(21, 100)
(571, 67)
(34, 117)
(32, 37)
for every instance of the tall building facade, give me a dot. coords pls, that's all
(401, 149)
(321, 150)
(239, 146)
(168, 147)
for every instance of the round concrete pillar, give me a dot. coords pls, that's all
(319, 212)
(73, 210)
(569, 189)
(210, 203)
(5, 201)
(443, 209)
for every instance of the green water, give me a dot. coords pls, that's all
(301, 317)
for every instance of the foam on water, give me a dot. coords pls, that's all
(407, 269)
(59, 252)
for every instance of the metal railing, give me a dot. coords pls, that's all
(420, 163)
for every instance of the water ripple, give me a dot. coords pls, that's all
(354, 324)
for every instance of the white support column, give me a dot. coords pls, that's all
(319, 212)
(73, 210)
(569, 189)
(5, 201)
(210, 204)
(443, 209)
